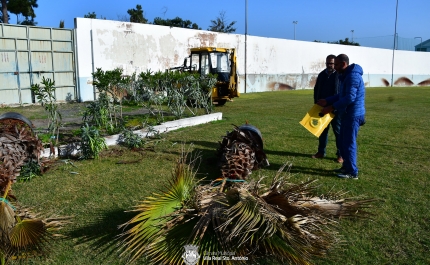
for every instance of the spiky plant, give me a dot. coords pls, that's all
(284, 221)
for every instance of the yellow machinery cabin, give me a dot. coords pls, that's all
(219, 61)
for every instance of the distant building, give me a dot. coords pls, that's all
(423, 46)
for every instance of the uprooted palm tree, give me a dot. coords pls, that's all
(22, 233)
(284, 220)
(241, 151)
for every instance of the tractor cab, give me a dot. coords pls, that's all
(219, 61)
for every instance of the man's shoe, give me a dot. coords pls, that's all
(339, 160)
(318, 155)
(340, 171)
(347, 176)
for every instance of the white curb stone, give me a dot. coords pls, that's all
(162, 128)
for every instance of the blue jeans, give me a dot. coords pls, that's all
(323, 139)
(348, 135)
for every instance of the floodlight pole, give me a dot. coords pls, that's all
(246, 36)
(420, 42)
(295, 23)
(352, 35)
(394, 46)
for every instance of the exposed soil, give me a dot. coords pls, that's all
(72, 121)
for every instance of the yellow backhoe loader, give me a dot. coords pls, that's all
(219, 61)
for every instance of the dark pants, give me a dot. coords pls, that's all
(348, 136)
(323, 139)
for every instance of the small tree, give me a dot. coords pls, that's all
(346, 42)
(61, 24)
(91, 15)
(46, 96)
(136, 15)
(220, 24)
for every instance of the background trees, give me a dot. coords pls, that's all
(91, 15)
(220, 24)
(136, 15)
(343, 42)
(19, 7)
(176, 22)
(4, 15)
(346, 42)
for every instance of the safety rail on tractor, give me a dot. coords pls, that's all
(219, 61)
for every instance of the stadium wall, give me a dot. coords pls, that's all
(271, 64)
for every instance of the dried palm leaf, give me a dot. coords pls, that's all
(285, 221)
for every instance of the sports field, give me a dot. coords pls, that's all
(393, 157)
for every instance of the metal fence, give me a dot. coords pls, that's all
(29, 53)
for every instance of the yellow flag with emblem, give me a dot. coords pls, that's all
(314, 123)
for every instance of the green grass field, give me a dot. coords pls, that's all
(393, 157)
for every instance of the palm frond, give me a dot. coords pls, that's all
(7, 220)
(27, 233)
(285, 221)
(156, 211)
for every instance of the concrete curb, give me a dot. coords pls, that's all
(162, 128)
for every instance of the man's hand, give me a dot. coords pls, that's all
(327, 109)
(322, 102)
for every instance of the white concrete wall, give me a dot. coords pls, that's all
(272, 64)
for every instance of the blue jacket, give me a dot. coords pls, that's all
(349, 102)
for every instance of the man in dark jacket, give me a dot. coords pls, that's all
(350, 103)
(327, 86)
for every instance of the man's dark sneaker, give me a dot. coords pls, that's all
(347, 176)
(340, 170)
(339, 160)
(318, 155)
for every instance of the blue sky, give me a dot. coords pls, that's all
(317, 20)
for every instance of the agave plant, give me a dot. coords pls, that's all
(284, 220)
(92, 143)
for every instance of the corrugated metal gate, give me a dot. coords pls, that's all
(29, 53)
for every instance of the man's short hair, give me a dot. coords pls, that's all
(343, 58)
(331, 56)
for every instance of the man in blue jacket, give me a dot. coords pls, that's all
(350, 103)
(327, 86)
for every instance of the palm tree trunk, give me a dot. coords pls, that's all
(4, 11)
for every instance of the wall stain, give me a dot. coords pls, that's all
(424, 83)
(276, 86)
(207, 39)
(317, 67)
(385, 81)
(251, 79)
(403, 81)
(313, 81)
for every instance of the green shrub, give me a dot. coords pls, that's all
(131, 140)
(92, 143)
